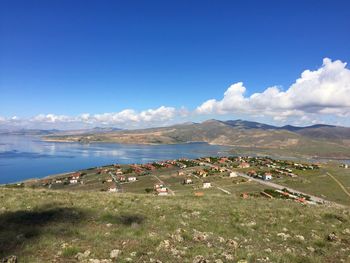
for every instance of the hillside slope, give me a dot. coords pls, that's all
(54, 226)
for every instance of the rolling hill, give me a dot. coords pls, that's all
(317, 140)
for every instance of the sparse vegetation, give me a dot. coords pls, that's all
(47, 226)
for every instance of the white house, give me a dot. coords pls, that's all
(188, 181)
(132, 179)
(206, 185)
(233, 174)
(267, 176)
(112, 189)
(73, 181)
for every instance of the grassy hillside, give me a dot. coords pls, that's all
(55, 226)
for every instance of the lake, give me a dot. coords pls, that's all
(24, 157)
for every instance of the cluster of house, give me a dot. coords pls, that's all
(277, 167)
(160, 189)
(74, 178)
(261, 175)
(124, 179)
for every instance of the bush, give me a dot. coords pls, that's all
(70, 251)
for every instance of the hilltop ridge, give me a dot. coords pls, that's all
(317, 140)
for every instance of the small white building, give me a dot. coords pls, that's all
(267, 176)
(233, 174)
(58, 181)
(206, 185)
(73, 181)
(188, 181)
(112, 189)
(132, 179)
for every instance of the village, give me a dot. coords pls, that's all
(241, 176)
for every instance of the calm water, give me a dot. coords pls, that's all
(23, 157)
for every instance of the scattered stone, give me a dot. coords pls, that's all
(64, 245)
(152, 234)
(242, 261)
(92, 260)
(346, 231)
(332, 237)
(177, 236)
(114, 253)
(196, 213)
(109, 225)
(218, 261)
(128, 259)
(164, 244)
(268, 250)
(314, 236)
(221, 240)
(232, 243)
(252, 223)
(81, 256)
(227, 256)
(311, 249)
(200, 236)
(133, 254)
(9, 259)
(300, 237)
(265, 259)
(284, 236)
(200, 259)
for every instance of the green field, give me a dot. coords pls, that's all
(318, 183)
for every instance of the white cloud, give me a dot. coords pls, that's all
(323, 91)
(316, 94)
(126, 118)
(52, 118)
(147, 116)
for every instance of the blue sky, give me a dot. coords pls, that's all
(66, 58)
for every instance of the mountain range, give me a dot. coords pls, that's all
(317, 140)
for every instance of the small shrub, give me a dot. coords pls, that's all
(70, 251)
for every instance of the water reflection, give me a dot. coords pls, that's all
(23, 157)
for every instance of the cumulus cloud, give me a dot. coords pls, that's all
(323, 91)
(147, 116)
(125, 118)
(315, 94)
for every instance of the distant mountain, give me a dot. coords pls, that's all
(315, 140)
(249, 125)
(29, 132)
(94, 130)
